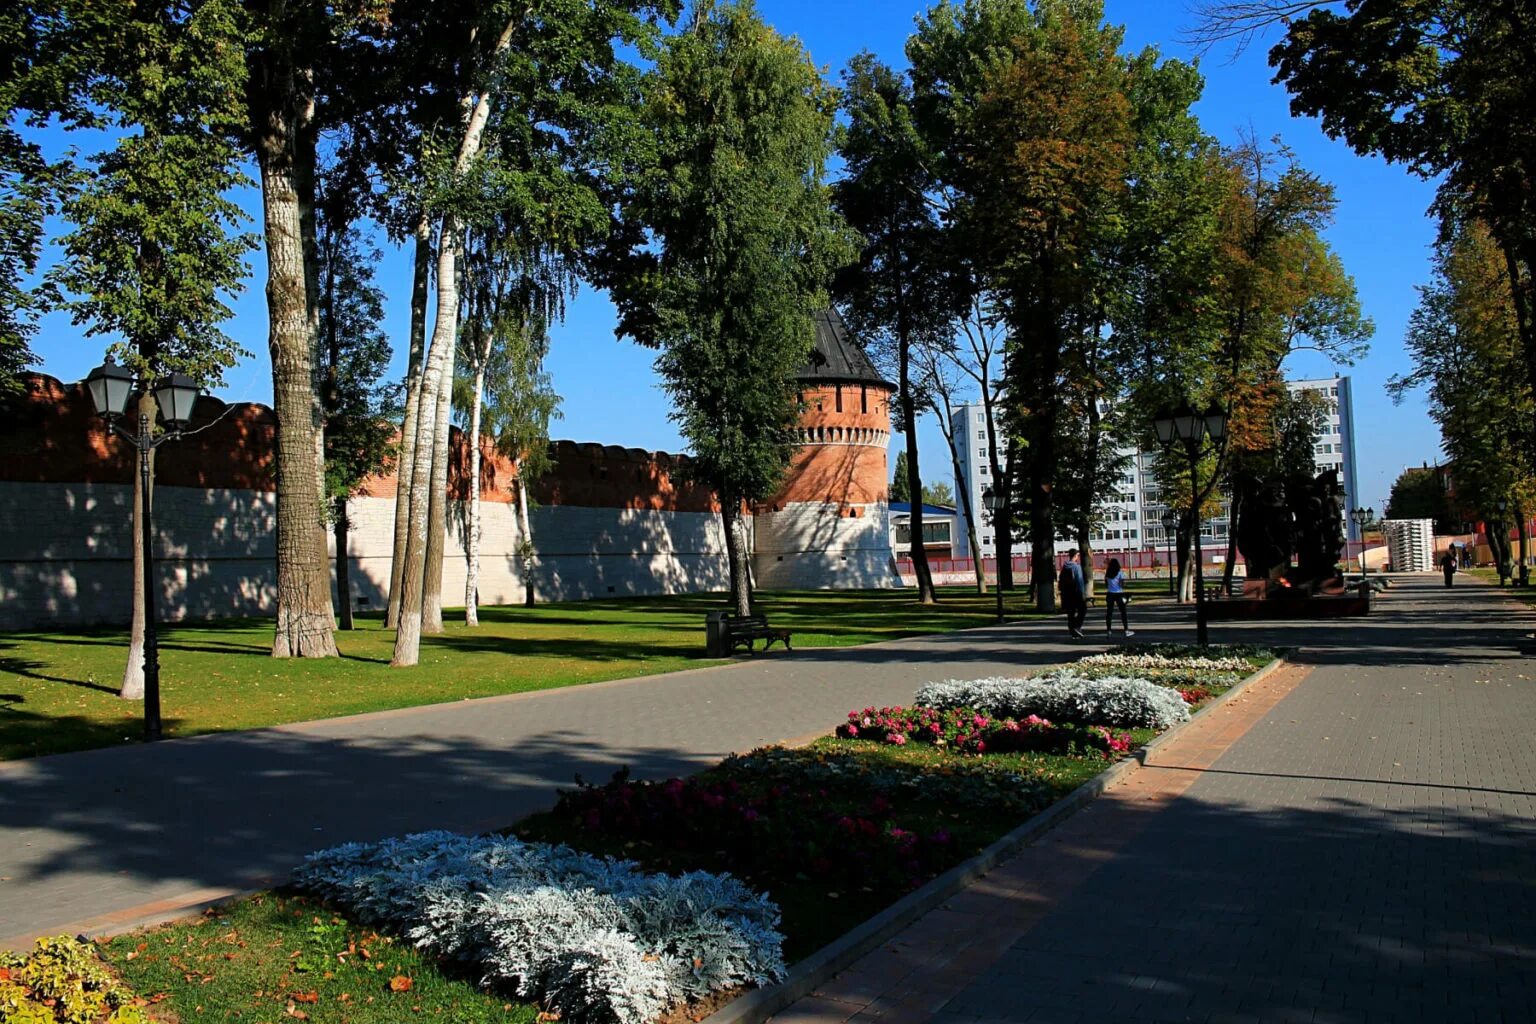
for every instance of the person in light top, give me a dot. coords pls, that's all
(1116, 597)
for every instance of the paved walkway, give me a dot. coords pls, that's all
(104, 838)
(1353, 841)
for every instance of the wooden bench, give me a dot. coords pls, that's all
(744, 630)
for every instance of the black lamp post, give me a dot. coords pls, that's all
(1361, 516)
(990, 499)
(1192, 428)
(1170, 523)
(112, 389)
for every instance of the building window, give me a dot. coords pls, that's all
(981, 435)
(981, 470)
(981, 453)
(839, 398)
(863, 399)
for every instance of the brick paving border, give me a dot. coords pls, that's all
(1196, 743)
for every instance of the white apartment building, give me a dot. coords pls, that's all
(1132, 519)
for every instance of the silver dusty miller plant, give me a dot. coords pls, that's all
(597, 939)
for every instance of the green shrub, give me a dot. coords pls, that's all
(63, 982)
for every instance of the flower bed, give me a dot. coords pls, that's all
(1063, 696)
(63, 980)
(969, 731)
(1177, 678)
(1118, 662)
(595, 938)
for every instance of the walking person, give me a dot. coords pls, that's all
(1073, 595)
(1448, 566)
(1115, 596)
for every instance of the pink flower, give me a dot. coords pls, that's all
(898, 738)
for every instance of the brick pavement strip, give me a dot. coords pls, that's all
(1356, 844)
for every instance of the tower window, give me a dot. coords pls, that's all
(839, 398)
(863, 399)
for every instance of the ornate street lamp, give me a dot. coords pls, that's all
(1170, 523)
(1185, 425)
(1361, 516)
(990, 499)
(112, 388)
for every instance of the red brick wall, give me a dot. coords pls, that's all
(52, 435)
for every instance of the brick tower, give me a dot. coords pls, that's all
(827, 527)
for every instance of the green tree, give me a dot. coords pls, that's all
(359, 434)
(1442, 87)
(1046, 187)
(745, 241)
(1468, 360)
(901, 479)
(153, 249)
(938, 494)
(513, 293)
(894, 297)
(542, 105)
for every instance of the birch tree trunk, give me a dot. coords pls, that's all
(472, 530)
(421, 275)
(305, 627)
(525, 546)
(437, 503)
(444, 335)
(736, 546)
(133, 670)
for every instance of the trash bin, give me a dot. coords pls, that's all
(714, 635)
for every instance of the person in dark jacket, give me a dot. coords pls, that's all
(1074, 600)
(1448, 566)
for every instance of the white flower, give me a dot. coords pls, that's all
(1063, 696)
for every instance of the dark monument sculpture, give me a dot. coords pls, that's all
(1301, 516)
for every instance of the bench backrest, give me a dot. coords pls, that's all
(747, 620)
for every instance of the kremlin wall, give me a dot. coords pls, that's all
(606, 521)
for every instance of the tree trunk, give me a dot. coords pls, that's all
(133, 670)
(472, 527)
(444, 334)
(967, 511)
(421, 275)
(1523, 526)
(736, 546)
(343, 566)
(1002, 487)
(1186, 568)
(437, 505)
(1085, 548)
(413, 577)
(304, 625)
(1228, 570)
(525, 527)
(925, 592)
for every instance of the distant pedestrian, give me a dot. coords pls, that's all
(1448, 566)
(1115, 597)
(1074, 599)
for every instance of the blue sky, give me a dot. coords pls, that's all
(610, 395)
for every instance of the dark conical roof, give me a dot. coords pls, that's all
(836, 357)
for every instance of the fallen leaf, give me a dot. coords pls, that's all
(311, 996)
(295, 1013)
(400, 983)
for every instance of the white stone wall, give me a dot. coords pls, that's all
(65, 555)
(812, 546)
(602, 552)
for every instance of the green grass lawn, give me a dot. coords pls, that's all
(58, 689)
